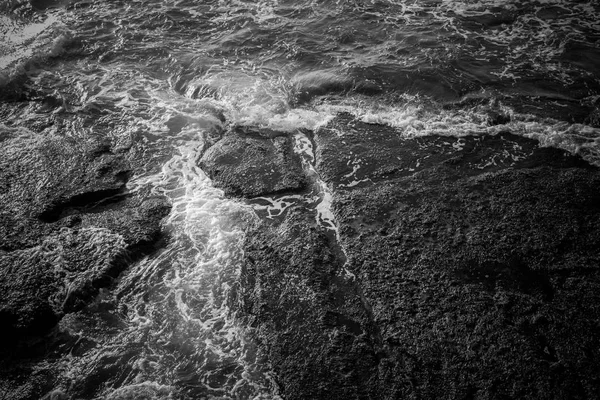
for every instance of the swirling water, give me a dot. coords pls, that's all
(171, 75)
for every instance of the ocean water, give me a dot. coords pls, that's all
(174, 74)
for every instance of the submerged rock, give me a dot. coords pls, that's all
(254, 163)
(475, 264)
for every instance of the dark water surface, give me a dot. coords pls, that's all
(174, 74)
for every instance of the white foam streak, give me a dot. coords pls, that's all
(187, 285)
(276, 206)
(325, 216)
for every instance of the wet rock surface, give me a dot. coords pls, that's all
(67, 227)
(254, 163)
(308, 314)
(469, 270)
(461, 267)
(470, 281)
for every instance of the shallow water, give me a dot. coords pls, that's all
(173, 75)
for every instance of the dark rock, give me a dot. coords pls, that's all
(34, 386)
(41, 283)
(473, 251)
(44, 179)
(476, 263)
(254, 163)
(367, 154)
(67, 228)
(136, 220)
(309, 316)
(498, 118)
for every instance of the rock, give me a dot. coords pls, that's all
(593, 119)
(476, 264)
(498, 118)
(461, 269)
(458, 259)
(136, 220)
(67, 228)
(254, 163)
(41, 283)
(45, 179)
(367, 154)
(307, 314)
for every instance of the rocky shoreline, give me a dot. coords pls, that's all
(457, 267)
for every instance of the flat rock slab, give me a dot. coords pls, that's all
(485, 285)
(41, 283)
(470, 269)
(251, 164)
(471, 253)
